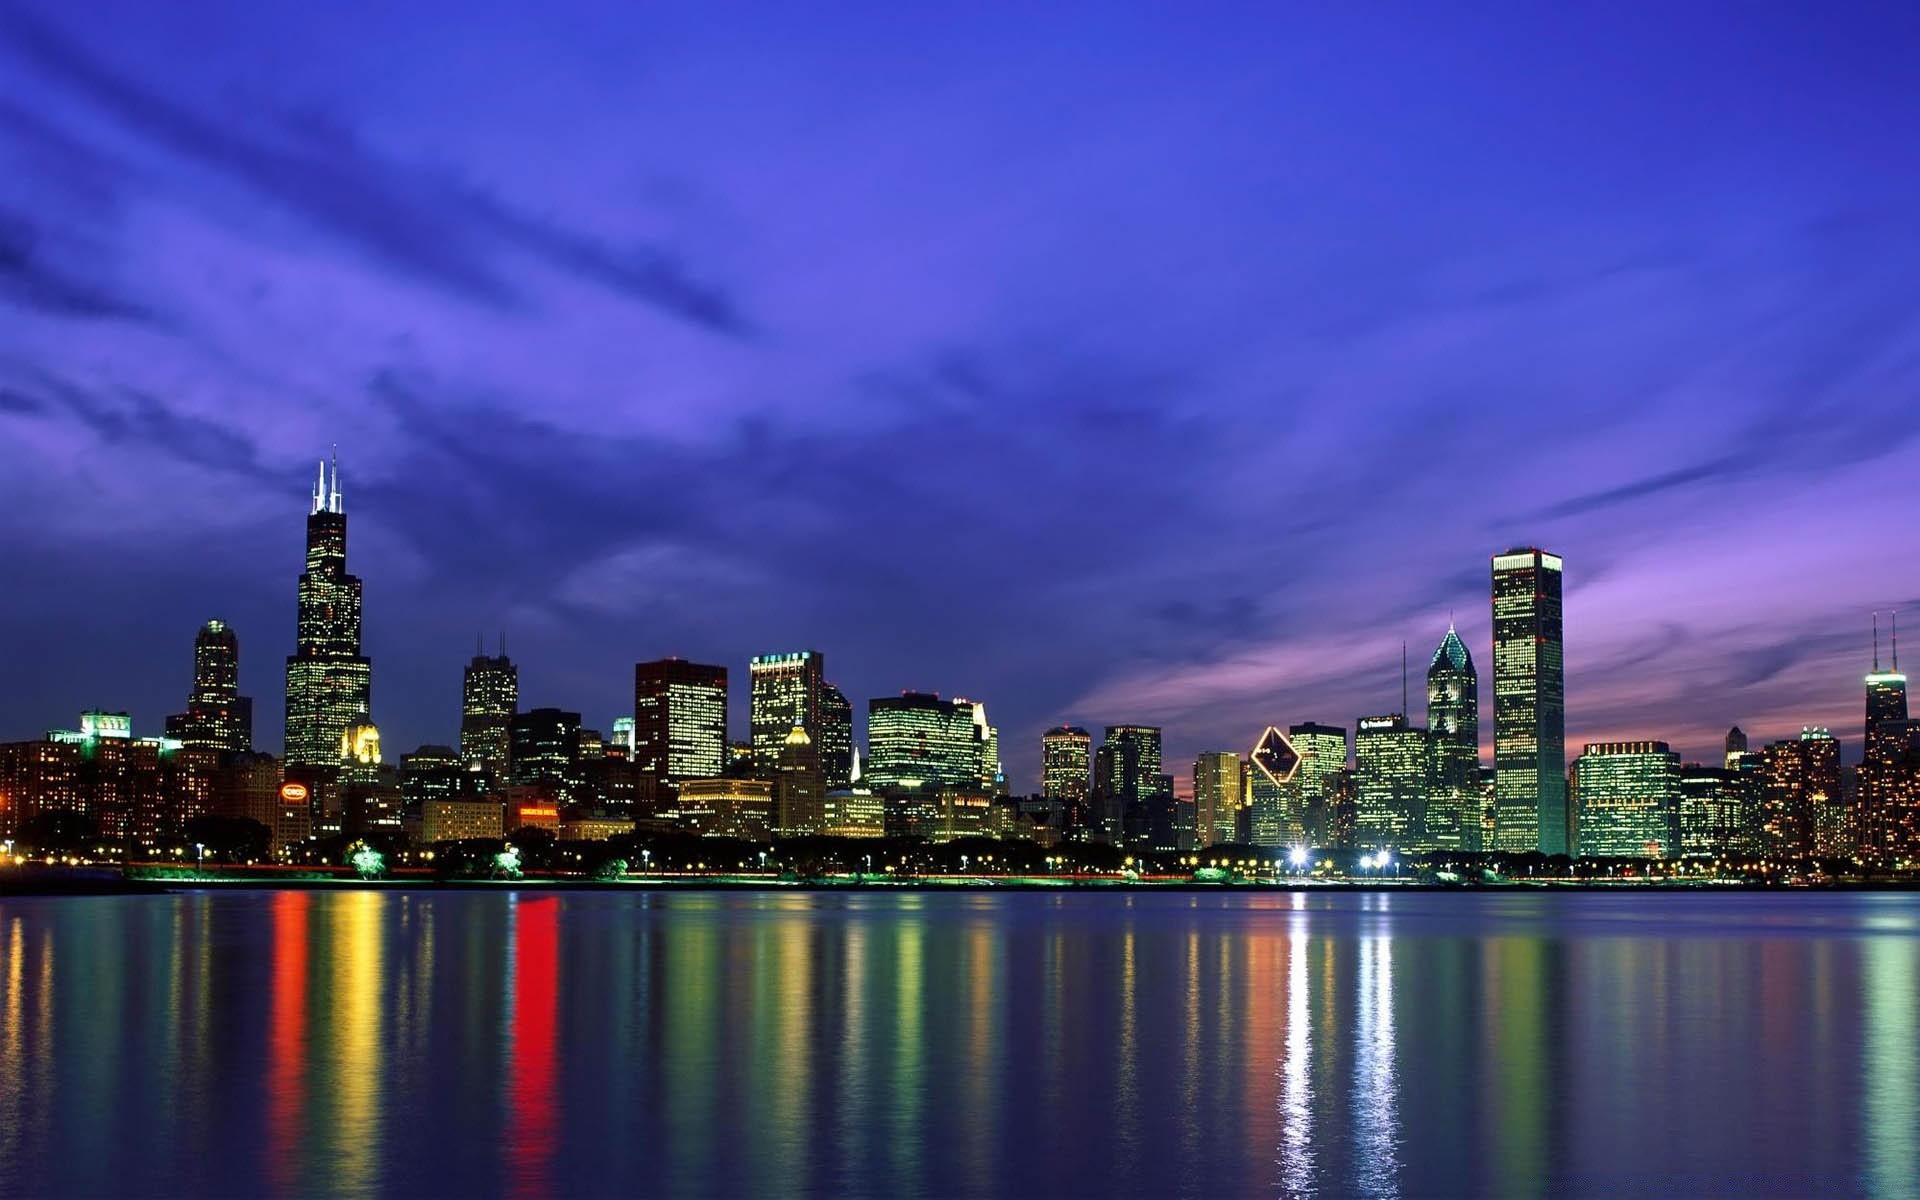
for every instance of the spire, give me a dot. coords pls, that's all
(1894, 618)
(320, 489)
(333, 494)
(1403, 678)
(1876, 641)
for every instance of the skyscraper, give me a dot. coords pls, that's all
(1125, 771)
(1529, 704)
(329, 682)
(489, 700)
(835, 738)
(1889, 765)
(916, 740)
(798, 797)
(1453, 742)
(1216, 796)
(1801, 777)
(218, 717)
(1323, 756)
(1627, 800)
(785, 690)
(545, 749)
(1273, 766)
(679, 721)
(1390, 782)
(1066, 764)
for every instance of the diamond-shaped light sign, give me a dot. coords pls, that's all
(1275, 756)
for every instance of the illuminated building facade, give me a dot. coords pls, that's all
(1323, 756)
(1390, 773)
(37, 777)
(218, 717)
(917, 740)
(329, 682)
(1453, 741)
(1217, 785)
(835, 738)
(1126, 772)
(1800, 777)
(679, 721)
(799, 792)
(1715, 810)
(1627, 801)
(1529, 704)
(1273, 767)
(741, 808)
(489, 700)
(1889, 824)
(1066, 765)
(784, 690)
(443, 820)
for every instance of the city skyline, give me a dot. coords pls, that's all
(597, 389)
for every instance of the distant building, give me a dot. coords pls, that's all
(1066, 765)
(433, 773)
(679, 720)
(218, 716)
(1126, 771)
(1529, 704)
(1217, 786)
(740, 808)
(459, 820)
(1453, 739)
(785, 690)
(1889, 824)
(1390, 782)
(855, 812)
(1802, 776)
(799, 791)
(1736, 747)
(329, 682)
(1715, 809)
(1273, 765)
(544, 747)
(835, 738)
(917, 740)
(489, 700)
(1628, 800)
(1323, 756)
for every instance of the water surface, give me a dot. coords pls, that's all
(919, 1044)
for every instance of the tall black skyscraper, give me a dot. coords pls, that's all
(217, 715)
(489, 700)
(835, 738)
(1453, 741)
(1529, 704)
(1889, 828)
(329, 682)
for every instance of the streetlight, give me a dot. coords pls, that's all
(199, 856)
(646, 858)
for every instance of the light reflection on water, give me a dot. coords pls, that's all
(1188, 1044)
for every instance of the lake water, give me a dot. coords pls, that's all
(963, 1044)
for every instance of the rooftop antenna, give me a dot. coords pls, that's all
(333, 496)
(1894, 618)
(1403, 678)
(1876, 641)
(479, 645)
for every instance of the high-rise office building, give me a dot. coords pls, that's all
(1889, 825)
(1390, 782)
(1736, 747)
(835, 738)
(1126, 771)
(1323, 756)
(1627, 801)
(218, 717)
(329, 682)
(489, 700)
(544, 748)
(1715, 805)
(1066, 764)
(1216, 797)
(679, 721)
(799, 797)
(1529, 704)
(1453, 743)
(784, 690)
(1800, 777)
(916, 741)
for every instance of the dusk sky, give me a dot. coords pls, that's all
(1099, 363)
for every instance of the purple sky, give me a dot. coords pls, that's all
(1101, 365)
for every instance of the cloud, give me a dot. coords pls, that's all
(420, 223)
(29, 279)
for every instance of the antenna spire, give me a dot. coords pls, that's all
(1894, 618)
(1403, 680)
(1876, 641)
(333, 494)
